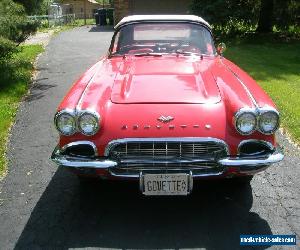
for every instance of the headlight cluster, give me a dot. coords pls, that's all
(68, 123)
(265, 120)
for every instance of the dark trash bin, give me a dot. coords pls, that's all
(97, 18)
(110, 16)
(102, 16)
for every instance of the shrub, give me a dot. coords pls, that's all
(15, 27)
(227, 15)
(7, 47)
(238, 17)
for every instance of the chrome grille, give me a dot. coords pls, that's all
(166, 154)
(171, 150)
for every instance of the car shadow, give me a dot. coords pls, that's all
(37, 90)
(116, 215)
(97, 28)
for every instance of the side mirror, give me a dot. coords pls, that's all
(221, 48)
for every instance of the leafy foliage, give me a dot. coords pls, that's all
(7, 47)
(105, 1)
(227, 13)
(15, 27)
(31, 6)
(221, 11)
(240, 16)
(286, 13)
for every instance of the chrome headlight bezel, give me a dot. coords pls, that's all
(71, 114)
(239, 114)
(93, 115)
(263, 112)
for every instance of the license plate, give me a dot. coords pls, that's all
(166, 184)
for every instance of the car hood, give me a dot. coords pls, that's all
(165, 80)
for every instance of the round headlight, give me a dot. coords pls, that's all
(245, 122)
(88, 123)
(65, 123)
(268, 122)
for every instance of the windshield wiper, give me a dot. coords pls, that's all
(185, 53)
(116, 54)
(148, 54)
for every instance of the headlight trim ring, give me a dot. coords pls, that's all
(67, 112)
(92, 113)
(241, 112)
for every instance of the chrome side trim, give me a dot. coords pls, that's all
(114, 143)
(244, 86)
(266, 143)
(78, 106)
(63, 149)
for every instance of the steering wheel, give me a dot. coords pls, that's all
(188, 47)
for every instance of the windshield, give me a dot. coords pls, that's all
(159, 38)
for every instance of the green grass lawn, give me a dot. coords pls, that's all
(15, 77)
(275, 65)
(80, 22)
(76, 23)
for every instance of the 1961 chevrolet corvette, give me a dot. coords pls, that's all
(164, 107)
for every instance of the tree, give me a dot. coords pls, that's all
(265, 21)
(281, 13)
(227, 13)
(15, 27)
(106, 2)
(32, 7)
(262, 14)
(44, 7)
(286, 13)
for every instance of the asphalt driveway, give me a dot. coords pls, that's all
(44, 207)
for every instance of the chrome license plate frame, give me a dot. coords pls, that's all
(166, 184)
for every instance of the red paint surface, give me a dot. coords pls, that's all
(138, 90)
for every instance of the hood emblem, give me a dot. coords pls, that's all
(165, 119)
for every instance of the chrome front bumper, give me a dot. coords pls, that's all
(242, 165)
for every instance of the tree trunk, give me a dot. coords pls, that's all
(265, 22)
(84, 6)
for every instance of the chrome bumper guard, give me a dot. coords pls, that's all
(243, 165)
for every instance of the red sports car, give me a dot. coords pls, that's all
(164, 107)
